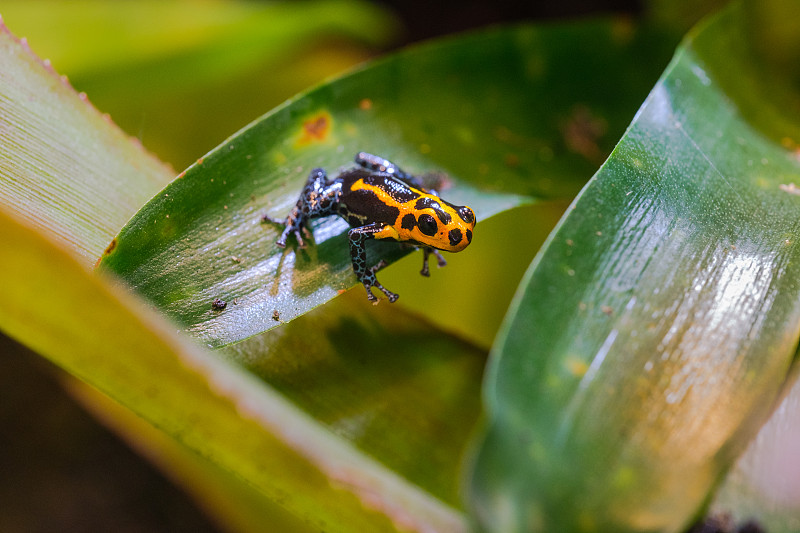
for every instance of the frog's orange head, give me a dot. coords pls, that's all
(439, 224)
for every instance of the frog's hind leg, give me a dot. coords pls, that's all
(318, 199)
(379, 164)
(358, 254)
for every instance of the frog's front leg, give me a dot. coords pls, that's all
(318, 199)
(440, 261)
(358, 255)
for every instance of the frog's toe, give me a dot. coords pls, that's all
(299, 236)
(389, 294)
(371, 297)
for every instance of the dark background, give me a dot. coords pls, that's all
(61, 471)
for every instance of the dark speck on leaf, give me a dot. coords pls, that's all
(218, 305)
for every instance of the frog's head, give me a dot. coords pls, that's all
(440, 224)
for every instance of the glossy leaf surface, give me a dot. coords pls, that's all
(451, 107)
(654, 332)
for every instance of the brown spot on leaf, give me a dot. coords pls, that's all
(110, 247)
(315, 129)
(581, 132)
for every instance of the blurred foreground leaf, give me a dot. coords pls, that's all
(63, 167)
(452, 107)
(653, 334)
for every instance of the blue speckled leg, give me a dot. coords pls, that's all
(358, 254)
(318, 199)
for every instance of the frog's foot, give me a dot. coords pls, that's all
(440, 261)
(373, 282)
(372, 298)
(291, 226)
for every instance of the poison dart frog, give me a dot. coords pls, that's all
(380, 201)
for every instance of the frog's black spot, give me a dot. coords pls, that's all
(408, 221)
(354, 221)
(469, 236)
(466, 214)
(455, 236)
(399, 191)
(429, 203)
(427, 225)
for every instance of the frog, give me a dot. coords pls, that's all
(380, 201)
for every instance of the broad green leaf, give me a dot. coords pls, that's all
(181, 75)
(653, 334)
(102, 335)
(507, 116)
(65, 168)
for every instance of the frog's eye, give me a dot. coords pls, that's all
(466, 214)
(427, 225)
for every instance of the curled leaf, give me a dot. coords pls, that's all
(652, 336)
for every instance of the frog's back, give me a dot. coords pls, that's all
(373, 197)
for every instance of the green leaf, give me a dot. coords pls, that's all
(65, 168)
(451, 107)
(652, 336)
